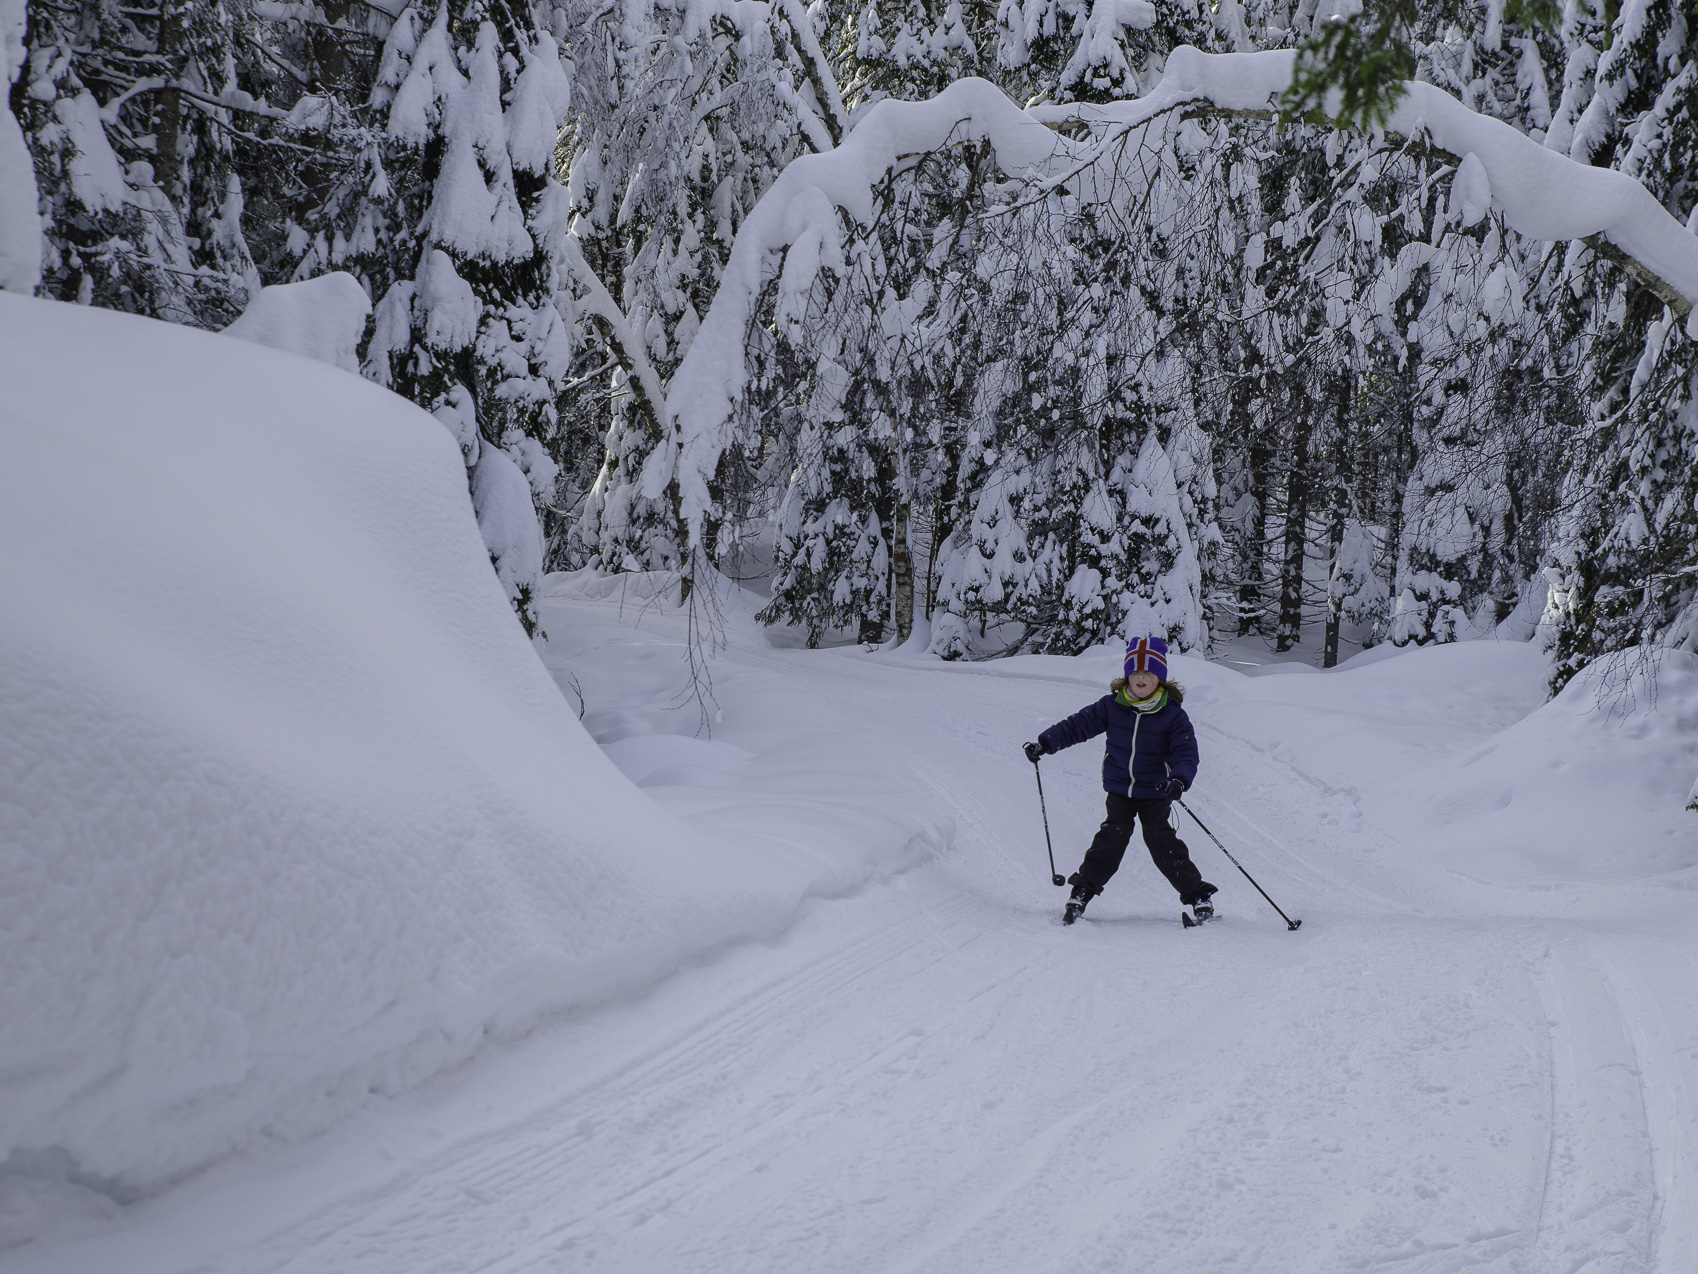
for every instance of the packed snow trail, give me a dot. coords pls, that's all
(931, 1074)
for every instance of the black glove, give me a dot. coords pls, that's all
(1034, 751)
(1173, 789)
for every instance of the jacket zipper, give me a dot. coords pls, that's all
(1132, 760)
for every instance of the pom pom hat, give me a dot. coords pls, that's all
(1147, 654)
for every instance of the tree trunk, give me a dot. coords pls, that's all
(902, 594)
(1297, 487)
(168, 121)
(1259, 459)
(1343, 474)
(1335, 540)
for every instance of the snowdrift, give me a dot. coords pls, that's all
(760, 763)
(290, 812)
(1590, 786)
(1456, 750)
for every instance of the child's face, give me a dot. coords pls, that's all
(1143, 684)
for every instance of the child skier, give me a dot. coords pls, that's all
(1150, 761)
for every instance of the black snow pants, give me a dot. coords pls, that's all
(1167, 851)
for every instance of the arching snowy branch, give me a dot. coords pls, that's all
(626, 346)
(799, 226)
(1542, 193)
(800, 219)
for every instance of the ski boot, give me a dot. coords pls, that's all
(1082, 894)
(1202, 910)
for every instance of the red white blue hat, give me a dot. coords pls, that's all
(1147, 654)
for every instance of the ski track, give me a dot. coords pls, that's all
(934, 1075)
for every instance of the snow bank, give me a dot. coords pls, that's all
(1590, 786)
(1455, 751)
(764, 763)
(1369, 726)
(290, 813)
(322, 318)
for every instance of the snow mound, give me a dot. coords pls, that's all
(1369, 725)
(290, 812)
(1458, 753)
(322, 318)
(665, 759)
(756, 760)
(1590, 786)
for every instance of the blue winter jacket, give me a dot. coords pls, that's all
(1153, 746)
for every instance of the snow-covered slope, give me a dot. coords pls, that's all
(290, 812)
(933, 1075)
(1591, 786)
(1455, 750)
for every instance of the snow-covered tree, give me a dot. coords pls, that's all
(832, 564)
(474, 334)
(131, 115)
(1624, 565)
(911, 49)
(20, 223)
(683, 115)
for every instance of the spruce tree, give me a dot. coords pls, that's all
(681, 119)
(1624, 565)
(131, 114)
(473, 334)
(20, 223)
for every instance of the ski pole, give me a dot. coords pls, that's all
(1054, 876)
(1289, 922)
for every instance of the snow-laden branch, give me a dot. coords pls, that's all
(1542, 193)
(820, 77)
(800, 219)
(627, 346)
(798, 227)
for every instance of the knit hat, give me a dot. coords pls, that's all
(1147, 654)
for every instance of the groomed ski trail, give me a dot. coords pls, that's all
(932, 1075)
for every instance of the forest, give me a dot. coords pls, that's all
(958, 322)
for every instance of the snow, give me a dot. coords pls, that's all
(1470, 191)
(421, 73)
(452, 309)
(474, 208)
(1548, 796)
(1460, 1061)
(322, 318)
(97, 177)
(540, 101)
(501, 497)
(344, 933)
(292, 815)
